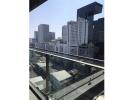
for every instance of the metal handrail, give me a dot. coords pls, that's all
(67, 58)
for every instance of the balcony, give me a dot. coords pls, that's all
(63, 77)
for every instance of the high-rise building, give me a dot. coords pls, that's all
(86, 27)
(51, 36)
(70, 37)
(43, 30)
(65, 34)
(73, 37)
(85, 21)
(82, 31)
(99, 30)
(36, 35)
(99, 38)
(72, 33)
(44, 35)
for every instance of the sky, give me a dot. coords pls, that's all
(57, 13)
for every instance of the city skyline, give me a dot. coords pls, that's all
(56, 22)
(61, 67)
(80, 37)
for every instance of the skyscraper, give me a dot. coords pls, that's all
(86, 26)
(65, 34)
(82, 31)
(72, 33)
(51, 36)
(72, 37)
(43, 30)
(36, 35)
(99, 38)
(44, 35)
(85, 17)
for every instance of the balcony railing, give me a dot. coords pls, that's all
(64, 76)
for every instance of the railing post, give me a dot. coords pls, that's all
(47, 73)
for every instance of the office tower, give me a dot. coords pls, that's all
(85, 17)
(65, 38)
(65, 34)
(51, 36)
(72, 33)
(86, 26)
(36, 35)
(99, 38)
(82, 31)
(43, 30)
(59, 45)
(72, 37)
(65, 48)
(99, 31)
(44, 35)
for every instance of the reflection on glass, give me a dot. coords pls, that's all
(64, 76)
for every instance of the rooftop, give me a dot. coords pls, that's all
(89, 10)
(40, 64)
(38, 82)
(61, 75)
(36, 79)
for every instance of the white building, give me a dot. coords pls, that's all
(65, 48)
(73, 37)
(38, 82)
(60, 79)
(70, 37)
(40, 45)
(72, 33)
(82, 31)
(61, 47)
(50, 46)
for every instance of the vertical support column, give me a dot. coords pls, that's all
(32, 54)
(47, 73)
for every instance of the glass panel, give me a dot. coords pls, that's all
(59, 77)
(38, 70)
